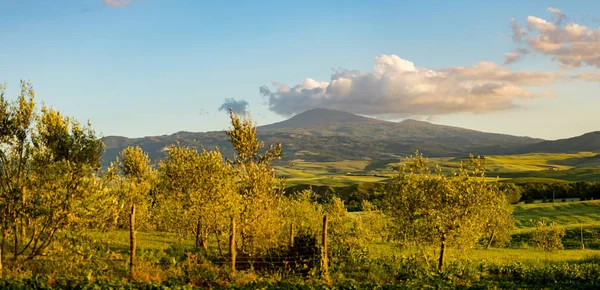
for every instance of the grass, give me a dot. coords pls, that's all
(326, 173)
(584, 166)
(118, 240)
(567, 214)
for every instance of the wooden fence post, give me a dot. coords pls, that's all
(581, 228)
(232, 244)
(291, 235)
(324, 259)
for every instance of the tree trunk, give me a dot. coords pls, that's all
(201, 236)
(232, 244)
(23, 194)
(291, 235)
(324, 258)
(442, 252)
(16, 244)
(2, 252)
(197, 232)
(491, 240)
(132, 241)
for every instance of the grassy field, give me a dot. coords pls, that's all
(570, 214)
(567, 214)
(546, 168)
(326, 173)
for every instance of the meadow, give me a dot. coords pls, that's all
(519, 264)
(518, 168)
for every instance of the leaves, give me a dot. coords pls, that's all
(430, 207)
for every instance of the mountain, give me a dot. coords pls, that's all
(329, 135)
(316, 118)
(586, 142)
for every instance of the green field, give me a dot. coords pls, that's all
(567, 214)
(326, 173)
(539, 167)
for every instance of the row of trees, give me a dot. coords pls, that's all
(51, 181)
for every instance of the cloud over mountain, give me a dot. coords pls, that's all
(398, 88)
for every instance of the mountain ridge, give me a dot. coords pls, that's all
(330, 135)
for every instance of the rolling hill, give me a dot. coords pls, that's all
(329, 135)
(586, 142)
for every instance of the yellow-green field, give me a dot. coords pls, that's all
(540, 167)
(566, 214)
(326, 173)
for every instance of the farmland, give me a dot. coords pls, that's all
(550, 167)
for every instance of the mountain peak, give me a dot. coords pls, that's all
(413, 121)
(320, 117)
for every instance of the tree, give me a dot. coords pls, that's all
(198, 193)
(434, 208)
(512, 192)
(499, 222)
(134, 185)
(49, 167)
(548, 236)
(259, 188)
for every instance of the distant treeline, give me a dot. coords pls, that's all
(354, 194)
(582, 190)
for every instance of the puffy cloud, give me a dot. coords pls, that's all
(238, 107)
(117, 3)
(571, 45)
(398, 88)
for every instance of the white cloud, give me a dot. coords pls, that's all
(571, 45)
(398, 88)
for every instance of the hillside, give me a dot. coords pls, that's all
(586, 142)
(328, 135)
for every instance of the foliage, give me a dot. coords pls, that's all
(197, 195)
(512, 192)
(48, 169)
(548, 236)
(430, 207)
(259, 212)
(498, 221)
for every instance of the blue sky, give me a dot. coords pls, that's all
(157, 67)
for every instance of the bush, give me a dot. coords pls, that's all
(548, 237)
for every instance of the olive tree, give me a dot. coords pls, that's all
(431, 207)
(49, 174)
(499, 221)
(548, 236)
(197, 194)
(134, 184)
(259, 210)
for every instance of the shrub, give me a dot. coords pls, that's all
(548, 237)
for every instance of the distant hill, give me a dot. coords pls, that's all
(589, 142)
(329, 135)
(317, 118)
